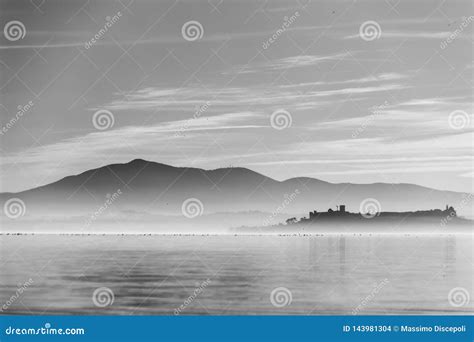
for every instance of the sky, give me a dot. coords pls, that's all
(344, 91)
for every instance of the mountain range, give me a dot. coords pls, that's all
(150, 193)
(142, 187)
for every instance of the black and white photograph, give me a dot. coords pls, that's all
(236, 157)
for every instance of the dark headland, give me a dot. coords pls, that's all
(435, 220)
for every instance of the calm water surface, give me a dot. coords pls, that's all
(337, 274)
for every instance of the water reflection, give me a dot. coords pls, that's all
(157, 274)
(342, 255)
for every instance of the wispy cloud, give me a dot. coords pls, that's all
(370, 161)
(418, 118)
(319, 70)
(408, 35)
(286, 63)
(258, 97)
(422, 168)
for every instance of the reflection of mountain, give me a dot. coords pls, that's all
(153, 188)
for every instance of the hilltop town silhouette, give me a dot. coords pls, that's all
(341, 213)
(341, 220)
(444, 217)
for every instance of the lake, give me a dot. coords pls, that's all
(227, 274)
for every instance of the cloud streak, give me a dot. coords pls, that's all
(261, 97)
(407, 35)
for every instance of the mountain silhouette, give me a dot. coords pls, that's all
(160, 189)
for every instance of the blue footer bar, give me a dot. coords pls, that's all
(237, 328)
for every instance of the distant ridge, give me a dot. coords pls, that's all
(155, 188)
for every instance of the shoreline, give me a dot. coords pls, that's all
(321, 234)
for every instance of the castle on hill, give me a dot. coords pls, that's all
(341, 214)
